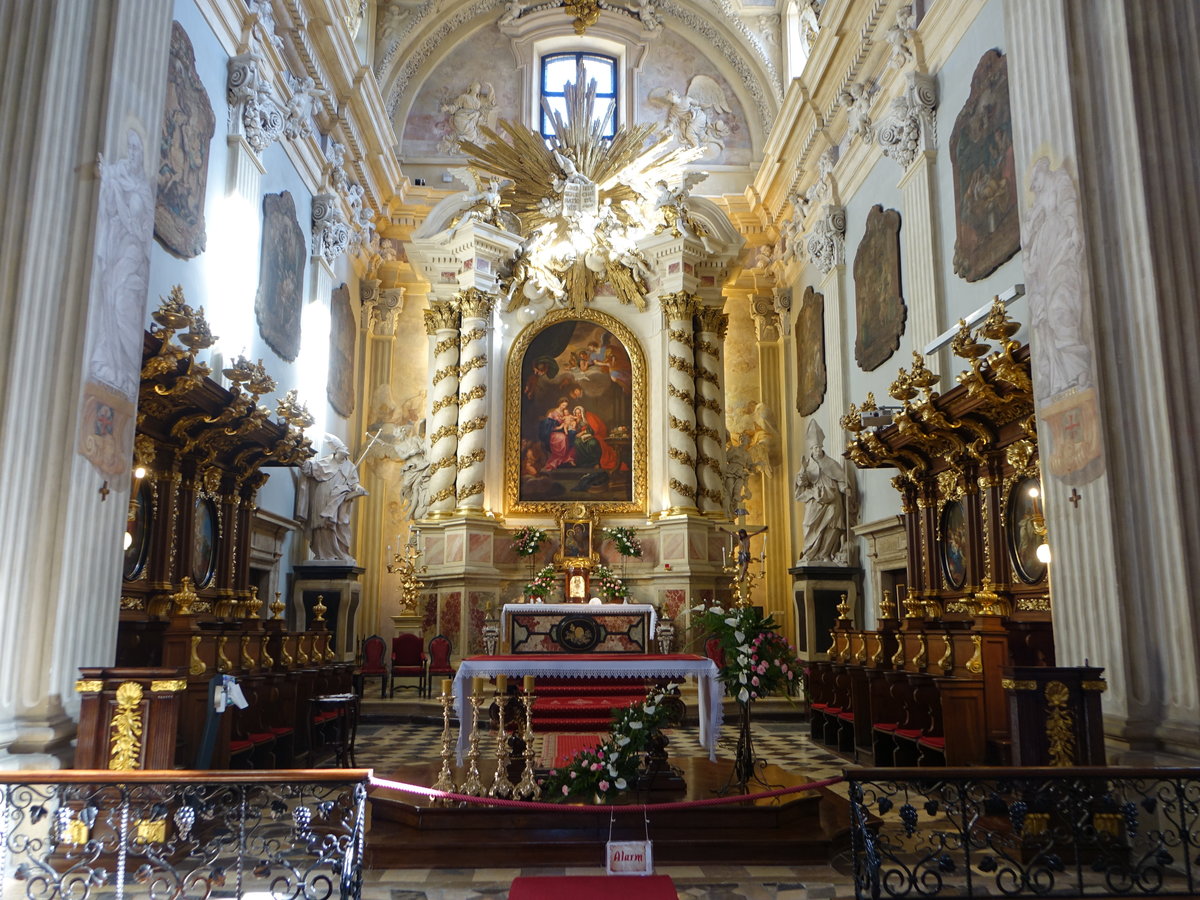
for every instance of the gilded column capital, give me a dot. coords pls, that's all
(474, 304)
(442, 315)
(713, 320)
(679, 305)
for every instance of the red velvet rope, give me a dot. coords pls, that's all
(558, 807)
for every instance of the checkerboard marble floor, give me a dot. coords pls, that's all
(384, 746)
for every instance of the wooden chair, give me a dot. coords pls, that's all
(439, 661)
(374, 665)
(408, 661)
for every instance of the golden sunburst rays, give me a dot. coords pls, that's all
(583, 200)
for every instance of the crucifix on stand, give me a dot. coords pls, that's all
(737, 565)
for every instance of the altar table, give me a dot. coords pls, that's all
(710, 689)
(626, 632)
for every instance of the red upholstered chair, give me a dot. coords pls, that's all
(374, 664)
(439, 661)
(408, 661)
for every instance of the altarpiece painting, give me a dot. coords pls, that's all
(187, 130)
(878, 301)
(342, 331)
(575, 415)
(281, 276)
(988, 229)
(810, 352)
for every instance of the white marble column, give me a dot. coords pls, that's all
(678, 309)
(476, 310)
(922, 255)
(1101, 158)
(61, 521)
(710, 409)
(441, 324)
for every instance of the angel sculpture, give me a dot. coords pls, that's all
(696, 119)
(672, 203)
(468, 112)
(483, 198)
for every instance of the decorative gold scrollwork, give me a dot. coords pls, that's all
(1060, 724)
(126, 740)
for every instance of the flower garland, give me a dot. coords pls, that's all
(613, 766)
(625, 540)
(609, 583)
(758, 659)
(542, 582)
(527, 540)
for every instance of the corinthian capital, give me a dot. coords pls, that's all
(827, 242)
(257, 113)
(911, 126)
(713, 320)
(679, 305)
(475, 304)
(331, 234)
(442, 315)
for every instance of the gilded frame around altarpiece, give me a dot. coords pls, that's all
(512, 420)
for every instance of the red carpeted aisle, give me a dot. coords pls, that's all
(593, 887)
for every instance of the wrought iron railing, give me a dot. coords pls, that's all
(78, 834)
(1025, 832)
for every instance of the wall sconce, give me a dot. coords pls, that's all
(1039, 525)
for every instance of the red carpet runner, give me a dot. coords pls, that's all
(593, 887)
(580, 704)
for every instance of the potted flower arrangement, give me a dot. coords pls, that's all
(602, 772)
(609, 584)
(540, 586)
(758, 661)
(527, 540)
(625, 540)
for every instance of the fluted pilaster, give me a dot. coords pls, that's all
(921, 251)
(442, 326)
(476, 310)
(711, 324)
(678, 309)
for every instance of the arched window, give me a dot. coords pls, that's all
(559, 68)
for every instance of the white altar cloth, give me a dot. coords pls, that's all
(583, 608)
(710, 689)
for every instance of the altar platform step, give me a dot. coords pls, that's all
(576, 704)
(806, 828)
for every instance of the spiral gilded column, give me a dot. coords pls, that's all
(475, 308)
(711, 324)
(441, 324)
(678, 309)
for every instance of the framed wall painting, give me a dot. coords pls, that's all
(878, 300)
(206, 536)
(342, 332)
(575, 410)
(280, 295)
(953, 544)
(810, 352)
(987, 222)
(187, 130)
(1023, 512)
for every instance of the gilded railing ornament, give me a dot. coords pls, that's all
(268, 661)
(126, 740)
(185, 599)
(196, 665)
(922, 658)
(277, 606)
(898, 656)
(975, 663)
(223, 663)
(319, 609)
(946, 663)
(843, 609)
(1060, 725)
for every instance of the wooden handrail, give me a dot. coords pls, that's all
(180, 776)
(984, 773)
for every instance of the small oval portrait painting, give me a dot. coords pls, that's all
(954, 544)
(204, 546)
(1023, 539)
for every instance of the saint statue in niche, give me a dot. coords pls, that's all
(328, 488)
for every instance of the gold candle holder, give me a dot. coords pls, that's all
(445, 780)
(527, 788)
(473, 786)
(501, 785)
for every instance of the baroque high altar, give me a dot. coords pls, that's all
(575, 324)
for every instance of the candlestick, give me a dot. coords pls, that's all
(473, 786)
(501, 786)
(445, 781)
(527, 788)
